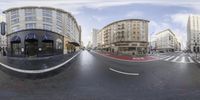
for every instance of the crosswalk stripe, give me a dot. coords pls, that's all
(176, 58)
(190, 59)
(169, 58)
(180, 57)
(183, 59)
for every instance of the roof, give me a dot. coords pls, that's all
(125, 20)
(42, 7)
(166, 30)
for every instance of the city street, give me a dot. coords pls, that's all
(95, 77)
(99, 50)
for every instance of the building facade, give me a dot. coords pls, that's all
(41, 31)
(193, 33)
(94, 38)
(129, 36)
(99, 40)
(166, 41)
(89, 45)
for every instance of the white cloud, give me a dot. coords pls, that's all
(134, 14)
(96, 4)
(157, 27)
(180, 19)
(99, 18)
(103, 4)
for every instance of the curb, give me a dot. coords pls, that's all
(35, 73)
(122, 59)
(196, 61)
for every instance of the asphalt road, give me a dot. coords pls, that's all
(93, 77)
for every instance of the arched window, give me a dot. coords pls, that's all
(15, 45)
(194, 49)
(59, 44)
(31, 44)
(47, 41)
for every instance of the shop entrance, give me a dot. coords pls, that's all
(31, 48)
(31, 45)
(15, 46)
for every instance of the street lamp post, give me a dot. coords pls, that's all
(196, 49)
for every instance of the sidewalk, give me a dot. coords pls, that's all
(195, 57)
(146, 58)
(35, 63)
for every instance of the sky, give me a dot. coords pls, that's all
(162, 14)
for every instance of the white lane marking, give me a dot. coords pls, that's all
(183, 60)
(38, 71)
(190, 59)
(169, 58)
(175, 59)
(136, 74)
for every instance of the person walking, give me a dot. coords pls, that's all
(4, 52)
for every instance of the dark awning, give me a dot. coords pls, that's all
(47, 38)
(31, 36)
(74, 43)
(15, 39)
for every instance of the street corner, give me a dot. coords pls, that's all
(129, 58)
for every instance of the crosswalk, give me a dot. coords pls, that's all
(179, 58)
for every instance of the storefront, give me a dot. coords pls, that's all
(15, 46)
(35, 43)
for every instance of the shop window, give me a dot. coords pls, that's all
(16, 50)
(59, 44)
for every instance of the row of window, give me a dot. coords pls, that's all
(31, 26)
(129, 27)
(30, 15)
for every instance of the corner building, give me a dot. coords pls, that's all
(41, 31)
(129, 36)
(166, 41)
(193, 33)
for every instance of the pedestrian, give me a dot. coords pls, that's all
(4, 52)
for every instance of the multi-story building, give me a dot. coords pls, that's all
(94, 38)
(166, 41)
(193, 33)
(129, 36)
(41, 31)
(89, 45)
(99, 40)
